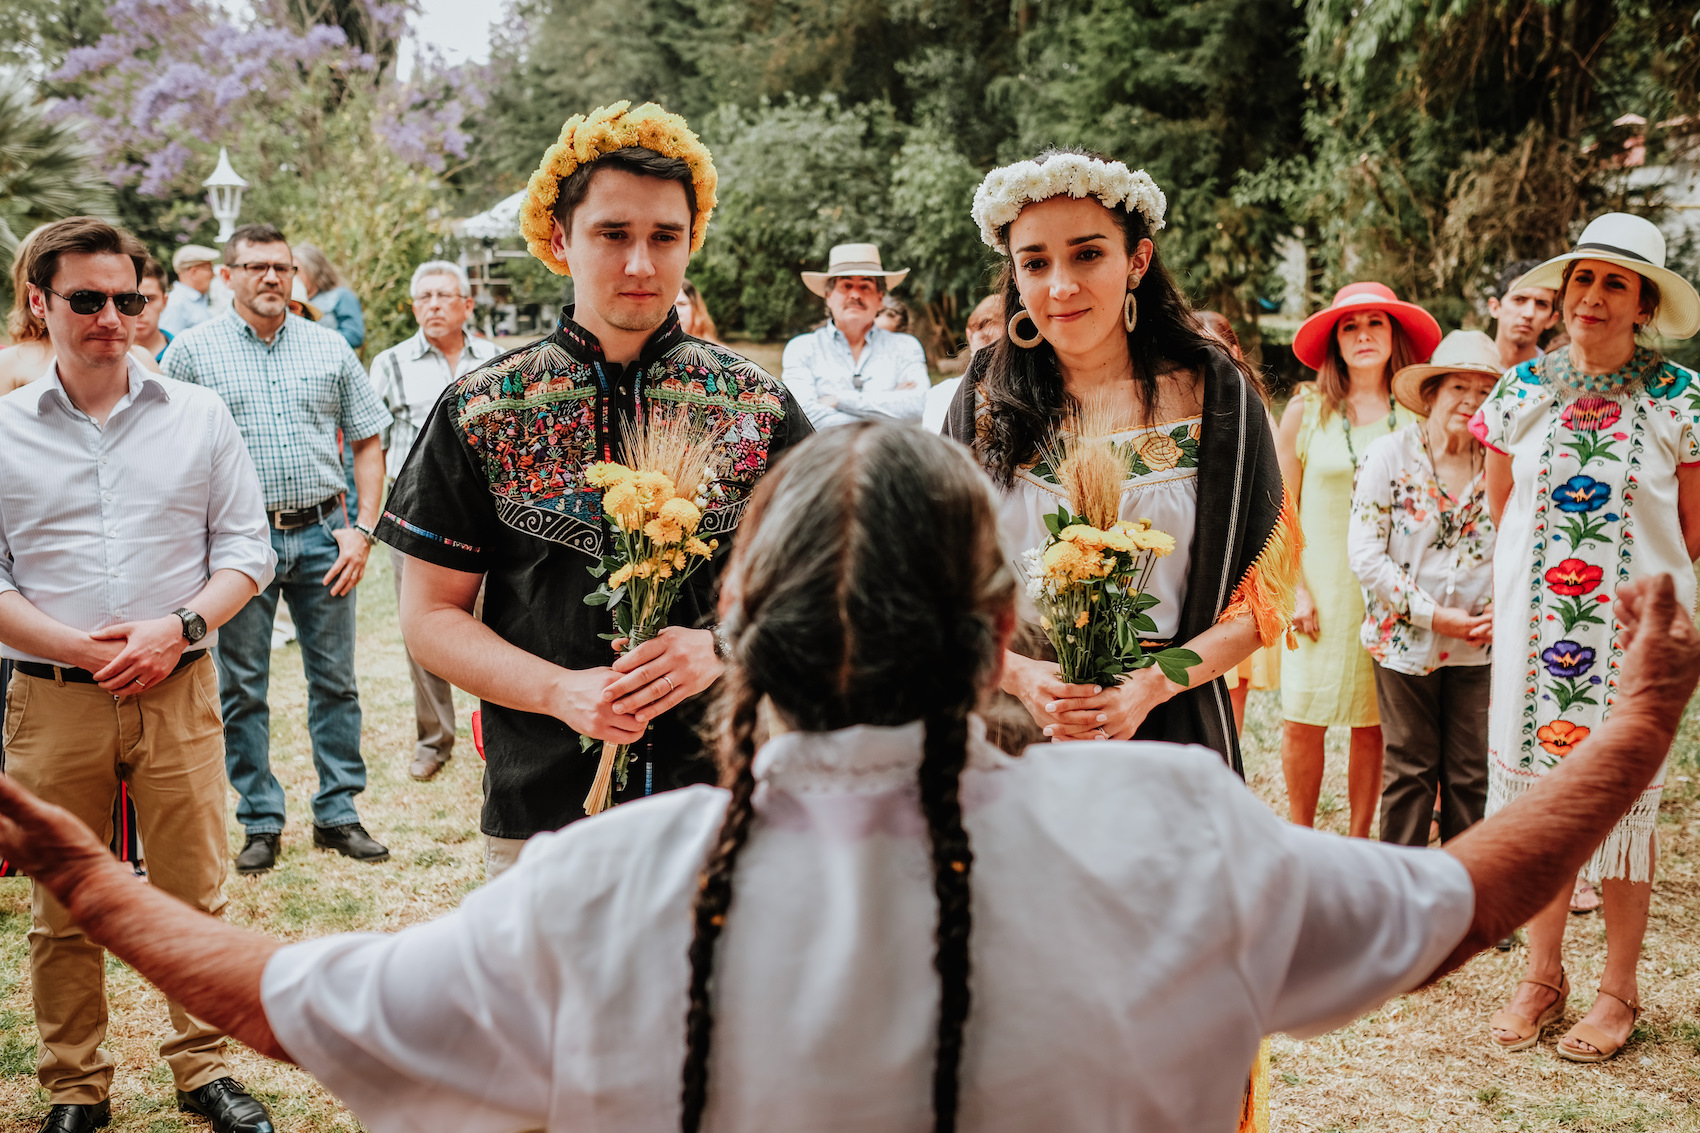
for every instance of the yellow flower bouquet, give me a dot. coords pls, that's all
(653, 502)
(1088, 579)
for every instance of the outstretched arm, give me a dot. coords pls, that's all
(212, 968)
(1521, 857)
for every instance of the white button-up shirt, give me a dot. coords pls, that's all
(184, 308)
(1140, 921)
(409, 377)
(100, 525)
(889, 380)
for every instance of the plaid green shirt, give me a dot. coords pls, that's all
(289, 399)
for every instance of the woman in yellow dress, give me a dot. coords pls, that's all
(1355, 345)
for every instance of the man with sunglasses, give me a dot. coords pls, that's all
(131, 529)
(411, 378)
(291, 384)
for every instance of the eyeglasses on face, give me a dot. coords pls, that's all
(284, 271)
(426, 298)
(94, 302)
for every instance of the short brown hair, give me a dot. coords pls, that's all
(575, 186)
(22, 324)
(253, 234)
(38, 257)
(153, 269)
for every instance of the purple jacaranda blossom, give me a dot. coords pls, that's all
(175, 79)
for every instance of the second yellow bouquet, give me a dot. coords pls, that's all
(654, 503)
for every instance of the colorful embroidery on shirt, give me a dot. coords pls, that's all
(420, 531)
(531, 416)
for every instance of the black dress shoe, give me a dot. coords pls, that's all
(351, 841)
(77, 1118)
(227, 1106)
(258, 854)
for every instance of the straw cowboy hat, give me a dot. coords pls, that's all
(852, 260)
(1635, 243)
(1461, 352)
(1310, 344)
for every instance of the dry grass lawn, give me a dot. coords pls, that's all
(1421, 1063)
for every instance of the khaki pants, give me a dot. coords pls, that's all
(433, 697)
(70, 744)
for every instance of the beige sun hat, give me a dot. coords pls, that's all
(190, 254)
(1636, 243)
(852, 260)
(1461, 352)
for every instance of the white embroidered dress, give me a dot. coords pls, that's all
(1593, 506)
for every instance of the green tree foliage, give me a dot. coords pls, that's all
(36, 34)
(45, 172)
(1447, 139)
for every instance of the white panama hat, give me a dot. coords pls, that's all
(852, 260)
(1635, 243)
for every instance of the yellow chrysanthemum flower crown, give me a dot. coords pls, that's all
(586, 137)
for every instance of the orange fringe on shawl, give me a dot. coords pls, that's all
(1269, 587)
(1254, 1107)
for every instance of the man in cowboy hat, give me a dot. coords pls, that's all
(849, 368)
(190, 303)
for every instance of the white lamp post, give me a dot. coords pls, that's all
(224, 194)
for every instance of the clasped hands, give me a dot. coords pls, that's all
(1084, 712)
(131, 657)
(616, 703)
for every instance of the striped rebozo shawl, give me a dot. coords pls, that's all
(1245, 547)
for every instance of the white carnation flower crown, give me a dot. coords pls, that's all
(1011, 188)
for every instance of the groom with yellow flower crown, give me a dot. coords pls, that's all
(497, 490)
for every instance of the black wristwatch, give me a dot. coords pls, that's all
(194, 626)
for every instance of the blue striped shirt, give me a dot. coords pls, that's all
(289, 399)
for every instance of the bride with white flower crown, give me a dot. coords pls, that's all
(1097, 321)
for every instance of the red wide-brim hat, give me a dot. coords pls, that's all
(1310, 344)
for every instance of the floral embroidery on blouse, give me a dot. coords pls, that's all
(1414, 548)
(1591, 454)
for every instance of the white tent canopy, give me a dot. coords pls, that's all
(499, 220)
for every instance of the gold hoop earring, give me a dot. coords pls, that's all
(1025, 343)
(1130, 313)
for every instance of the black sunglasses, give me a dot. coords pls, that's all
(94, 302)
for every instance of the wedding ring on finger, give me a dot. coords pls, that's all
(669, 681)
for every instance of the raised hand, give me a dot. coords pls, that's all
(1661, 663)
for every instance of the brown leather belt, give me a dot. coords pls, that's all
(300, 517)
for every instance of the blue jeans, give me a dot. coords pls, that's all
(325, 628)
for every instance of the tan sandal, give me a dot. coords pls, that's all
(1604, 1045)
(1528, 1034)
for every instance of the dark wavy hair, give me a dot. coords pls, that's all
(1024, 387)
(868, 586)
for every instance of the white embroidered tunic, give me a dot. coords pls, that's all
(1161, 485)
(1140, 921)
(1593, 505)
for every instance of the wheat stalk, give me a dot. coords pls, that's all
(1090, 469)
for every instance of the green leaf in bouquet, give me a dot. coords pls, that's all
(1054, 522)
(616, 596)
(588, 743)
(597, 597)
(600, 570)
(1143, 601)
(1175, 663)
(1143, 623)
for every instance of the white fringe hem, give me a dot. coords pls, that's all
(1627, 851)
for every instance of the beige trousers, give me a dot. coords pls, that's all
(70, 744)
(433, 697)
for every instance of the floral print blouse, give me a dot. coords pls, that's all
(1414, 548)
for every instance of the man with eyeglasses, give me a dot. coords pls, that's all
(291, 384)
(411, 378)
(131, 529)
